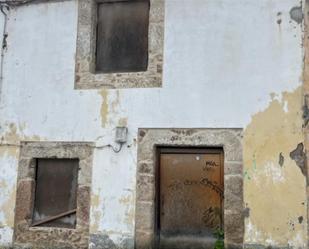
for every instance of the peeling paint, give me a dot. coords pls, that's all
(299, 156)
(306, 111)
(128, 201)
(247, 212)
(95, 221)
(281, 159)
(8, 208)
(40, 95)
(273, 132)
(9, 148)
(9, 141)
(296, 14)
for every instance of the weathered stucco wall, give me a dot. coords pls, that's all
(227, 64)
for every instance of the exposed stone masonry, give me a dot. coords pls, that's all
(85, 75)
(49, 237)
(228, 139)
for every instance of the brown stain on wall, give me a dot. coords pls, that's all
(9, 147)
(8, 208)
(128, 201)
(123, 122)
(104, 107)
(96, 213)
(115, 102)
(95, 200)
(94, 225)
(274, 193)
(110, 105)
(9, 142)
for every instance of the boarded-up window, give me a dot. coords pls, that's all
(55, 193)
(122, 36)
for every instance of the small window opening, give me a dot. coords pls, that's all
(55, 193)
(122, 36)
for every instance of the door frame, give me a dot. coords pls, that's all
(149, 140)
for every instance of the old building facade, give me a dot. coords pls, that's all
(153, 123)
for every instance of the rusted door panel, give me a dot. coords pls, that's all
(191, 192)
(55, 194)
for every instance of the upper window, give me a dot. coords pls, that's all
(119, 44)
(122, 36)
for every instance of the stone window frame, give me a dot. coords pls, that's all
(52, 237)
(85, 75)
(149, 140)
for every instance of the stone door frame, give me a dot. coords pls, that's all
(229, 139)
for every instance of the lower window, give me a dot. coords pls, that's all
(55, 193)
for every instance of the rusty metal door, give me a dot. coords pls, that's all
(191, 197)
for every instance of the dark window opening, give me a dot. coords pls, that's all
(122, 36)
(55, 193)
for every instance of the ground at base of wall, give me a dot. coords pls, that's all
(259, 246)
(105, 243)
(33, 247)
(102, 241)
(30, 247)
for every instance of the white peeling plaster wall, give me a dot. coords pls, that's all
(223, 59)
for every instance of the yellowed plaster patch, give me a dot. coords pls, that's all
(3, 184)
(95, 201)
(116, 102)
(9, 146)
(9, 142)
(97, 212)
(275, 194)
(125, 200)
(128, 201)
(123, 122)
(94, 227)
(8, 208)
(130, 215)
(104, 107)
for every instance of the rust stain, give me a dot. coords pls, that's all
(104, 107)
(273, 132)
